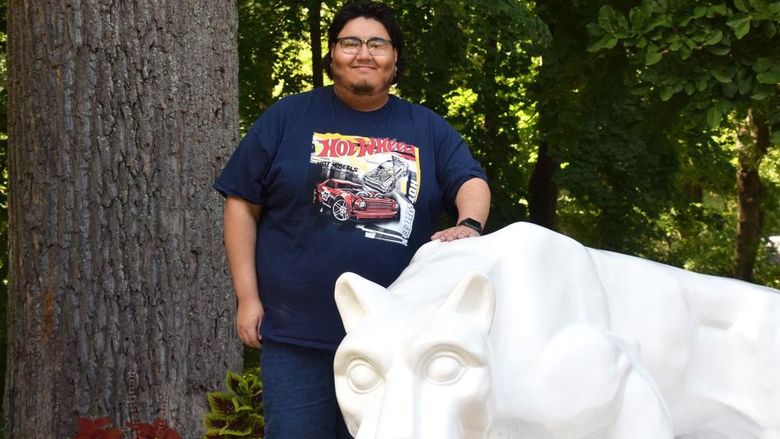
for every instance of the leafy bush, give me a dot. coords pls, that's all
(237, 413)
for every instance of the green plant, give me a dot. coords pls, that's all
(237, 413)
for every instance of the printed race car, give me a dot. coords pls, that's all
(347, 200)
(384, 177)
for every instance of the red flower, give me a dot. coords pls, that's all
(158, 429)
(96, 429)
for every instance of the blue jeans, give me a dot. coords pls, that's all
(299, 398)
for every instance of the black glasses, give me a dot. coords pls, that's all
(376, 46)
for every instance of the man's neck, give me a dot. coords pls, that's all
(361, 102)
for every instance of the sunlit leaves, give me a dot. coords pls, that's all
(740, 23)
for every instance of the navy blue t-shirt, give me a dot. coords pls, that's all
(341, 190)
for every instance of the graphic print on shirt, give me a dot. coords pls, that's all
(366, 182)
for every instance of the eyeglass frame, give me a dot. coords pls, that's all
(362, 43)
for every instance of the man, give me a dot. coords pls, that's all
(341, 178)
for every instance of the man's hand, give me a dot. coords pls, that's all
(248, 318)
(453, 233)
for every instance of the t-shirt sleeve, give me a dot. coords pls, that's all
(246, 173)
(454, 163)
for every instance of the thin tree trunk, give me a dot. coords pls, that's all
(121, 114)
(542, 191)
(753, 144)
(489, 108)
(315, 17)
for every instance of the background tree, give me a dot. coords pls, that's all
(609, 163)
(119, 301)
(605, 153)
(471, 61)
(723, 59)
(3, 201)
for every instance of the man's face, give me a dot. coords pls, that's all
(363, 73)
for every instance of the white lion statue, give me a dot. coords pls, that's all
(527, 334)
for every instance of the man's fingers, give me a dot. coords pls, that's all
(250, 337)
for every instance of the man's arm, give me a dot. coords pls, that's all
(240, 220)
(472, 201)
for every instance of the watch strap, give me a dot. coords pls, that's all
(473, 224)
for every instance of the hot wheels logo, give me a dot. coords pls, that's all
(360, 147)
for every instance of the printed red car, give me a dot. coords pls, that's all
(351, 201)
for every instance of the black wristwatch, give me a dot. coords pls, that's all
(472, 224)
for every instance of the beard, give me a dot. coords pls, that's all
(362, 89)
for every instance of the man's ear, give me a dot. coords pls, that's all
(473, 297)
(357, 297)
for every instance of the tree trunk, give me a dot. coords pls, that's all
(121, 114)
(315, 17)
(542, 191)
(753, 144)
(489, 108)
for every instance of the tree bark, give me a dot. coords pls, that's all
(542, 191)
(753, 144)
(315, 17)
(121, 115)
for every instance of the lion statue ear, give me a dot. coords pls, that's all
(474, 297)
(357, 297)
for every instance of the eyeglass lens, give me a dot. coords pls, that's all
(376, 46)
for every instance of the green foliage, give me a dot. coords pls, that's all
(238, 412)
(471, 61)
(720, 62)
(271, 35)
(723, 56)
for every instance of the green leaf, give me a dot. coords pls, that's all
(736, 20)
(719, 9)
(699, 11)
(713, 38)
(740, 5)
(607, 17)
(771, 77)
(719, 50)
(774, 138)
(594, 29)
(652, 57)
(745, 85)
(763, 64)
(685, 52)
(730, 89)
(666, 93)
(606, 42)
(233, 381)
(742, 30)
(713, 117)
(637, 18)
(769, 29)
(760, 95)
(721, 74)
(701, 84)
(221, 403)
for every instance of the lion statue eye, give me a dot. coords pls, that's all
(363, 377)
(443, 368)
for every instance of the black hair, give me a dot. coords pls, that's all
(366, 9)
